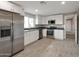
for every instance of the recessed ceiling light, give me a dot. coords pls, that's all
(36, 10)
(63, 2)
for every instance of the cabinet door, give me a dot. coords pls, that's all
(31, 36)
(36, 35)
(59, 19)
(26, 37)
(59, 34)
(44, 32)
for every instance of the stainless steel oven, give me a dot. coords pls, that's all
(50, 33)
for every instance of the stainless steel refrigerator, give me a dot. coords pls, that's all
(78, 28)
(18, 33)
(11, 33)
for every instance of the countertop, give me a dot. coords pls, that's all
(38, 28)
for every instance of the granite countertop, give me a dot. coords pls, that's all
(31, 29)
(35, 28)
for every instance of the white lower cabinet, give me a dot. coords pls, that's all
(30, 36)
(44, 32)
(59, 34)
(26, 37)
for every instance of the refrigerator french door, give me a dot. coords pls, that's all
(5, 33)
(11, 33)
(18, 33)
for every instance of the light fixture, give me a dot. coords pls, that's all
(63, 2)
(36, 10)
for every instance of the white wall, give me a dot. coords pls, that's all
(75, 20)
(74, 25)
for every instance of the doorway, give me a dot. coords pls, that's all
(70, 27)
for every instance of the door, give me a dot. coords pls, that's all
(18, 33)
(5, 33)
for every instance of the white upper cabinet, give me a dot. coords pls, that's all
(58, 19)
(5, 5)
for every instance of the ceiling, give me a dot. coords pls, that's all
(52, 7)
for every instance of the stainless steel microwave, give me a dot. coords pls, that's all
(51, 22)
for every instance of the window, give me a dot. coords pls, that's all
(28, 22)
(31, 22)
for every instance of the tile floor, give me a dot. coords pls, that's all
(51, 48)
